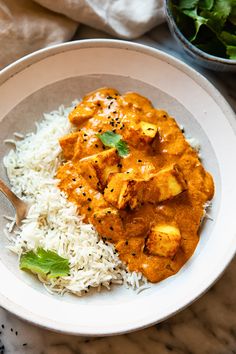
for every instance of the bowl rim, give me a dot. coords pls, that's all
(190, 46)
(32, 58)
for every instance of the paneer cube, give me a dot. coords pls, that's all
(124, 190)
(82, 112)
(108, 224)
(86, 169)
(163, 240)
(137, 102)
(102, 164)
(137, 132)
(149, 130)
(101, 94)
(68, 143)
(121, 190)
(166, 184)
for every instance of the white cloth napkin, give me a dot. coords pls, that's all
(26, 26)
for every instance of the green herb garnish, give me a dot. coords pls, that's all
(111, 139)
(208, 24)
(46, 263)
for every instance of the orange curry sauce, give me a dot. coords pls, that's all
(150, 203)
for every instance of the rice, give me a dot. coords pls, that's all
(52, 222)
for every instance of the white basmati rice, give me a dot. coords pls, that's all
(52, 221)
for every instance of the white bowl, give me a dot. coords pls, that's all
(41, 82)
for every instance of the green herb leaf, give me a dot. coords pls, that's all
(206, 4)
(46, 263)
(218, 14)
(187, 4)
(122, 148)
(198, 20)
(111, 139)
(228, 38)
(208, 24)
(231, 51)
(232, 16)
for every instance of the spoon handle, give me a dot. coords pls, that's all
(10, 195)
(20, 206)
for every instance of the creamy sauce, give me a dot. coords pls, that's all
(149, 203)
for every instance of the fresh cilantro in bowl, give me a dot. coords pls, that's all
(210, 25)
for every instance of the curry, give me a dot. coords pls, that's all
(150, 202)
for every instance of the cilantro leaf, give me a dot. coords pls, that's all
(187, 4)
(46, 263)
(111, 139)
(208, 24)
(198, 21)
(218, 14)
(206, 4)
(232, 16)
(231, 51)
(228, 38)
(122, 148)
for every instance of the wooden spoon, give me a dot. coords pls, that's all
(21, 207)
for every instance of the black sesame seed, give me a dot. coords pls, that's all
(112, 190)
(3, 326)
(74, 179)
(139, 160)
(114, 112)
(96, 145)
(99, 104)
(24, 344)
(109, 98)
(111, 228)
(90, 176)
(100, 130)
(16, 333)
(84, 194)
(89, 199)
(126, 242)
(133, 254)
(80, 187)
(99, 221)
(89, 209)
(11, 329)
